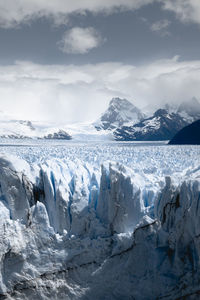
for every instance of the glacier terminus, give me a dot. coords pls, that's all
(75, 224)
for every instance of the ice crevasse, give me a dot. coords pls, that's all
(74, 231)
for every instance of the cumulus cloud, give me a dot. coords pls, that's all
(80, 40)
(80, 93)
(161, 27)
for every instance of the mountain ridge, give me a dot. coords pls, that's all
(161, 126)
(121, 121)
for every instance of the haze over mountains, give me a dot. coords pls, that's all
(122, 121)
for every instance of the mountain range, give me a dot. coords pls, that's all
(162, 125)
(122, 121)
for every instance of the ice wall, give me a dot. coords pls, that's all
(78, 232)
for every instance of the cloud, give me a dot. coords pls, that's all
(80, 93)
(80, 40)
(185, 10)
(15, 12)
(161, 27)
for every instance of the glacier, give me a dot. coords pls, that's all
(103, 221)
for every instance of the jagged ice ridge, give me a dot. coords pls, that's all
(76, 230)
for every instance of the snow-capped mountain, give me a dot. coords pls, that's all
(26, 129)
(161, 126)
(16, 128)
(121, 121)
(119, 112)
(23, 129)
(189, 110)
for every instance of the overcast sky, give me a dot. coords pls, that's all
(63, 60)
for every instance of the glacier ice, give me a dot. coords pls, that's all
(77, 230)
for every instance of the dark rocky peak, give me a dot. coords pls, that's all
(161, 112)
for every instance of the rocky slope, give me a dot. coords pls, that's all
(60, 135)
(161, 126)
(188, 135)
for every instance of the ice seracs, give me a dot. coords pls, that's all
(80, 232)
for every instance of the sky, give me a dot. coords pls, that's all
(63, 61)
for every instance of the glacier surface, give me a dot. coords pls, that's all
(103, 221)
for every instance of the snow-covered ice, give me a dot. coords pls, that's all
(99, 220)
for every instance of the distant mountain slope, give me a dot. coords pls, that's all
(188, 135)
(122, 121)
(119, 112)
(161, 126)
(60, 135)
(127, 123)
(16, 128)
(189, 110)
(20, 129)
